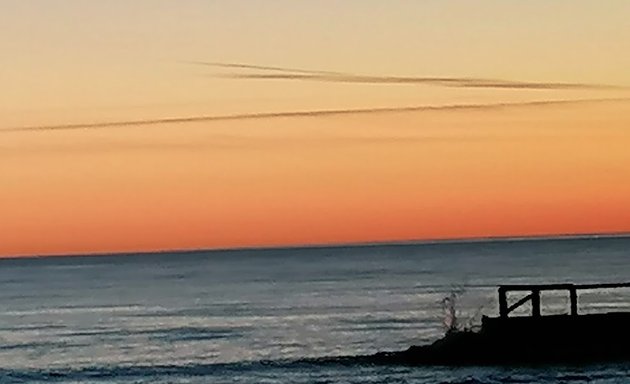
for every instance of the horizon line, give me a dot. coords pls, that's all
(365, 244)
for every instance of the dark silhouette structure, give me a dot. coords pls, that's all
(531, 339)
(535, 290)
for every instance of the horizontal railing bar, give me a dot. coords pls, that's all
(557, 287)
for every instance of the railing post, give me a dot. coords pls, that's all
(535, 302)
(573, 299)
(503, 307)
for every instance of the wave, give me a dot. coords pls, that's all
(188, 370)
(40, 344)
(340, 366)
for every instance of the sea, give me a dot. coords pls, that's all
(293, 315)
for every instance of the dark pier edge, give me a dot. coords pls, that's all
(533, 339)
(534, 296)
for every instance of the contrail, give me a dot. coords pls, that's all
(527, 85)
(293, 114)
(352, 78)
(455, 82)
(263, 68)
(287, 73)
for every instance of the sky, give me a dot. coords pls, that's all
(157, 125)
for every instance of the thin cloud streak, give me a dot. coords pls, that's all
(299, 114)
(340, 77)
(454, 82)
(352, 78)
(263, 68)
(237, 142)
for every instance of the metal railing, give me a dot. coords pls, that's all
(534, 296)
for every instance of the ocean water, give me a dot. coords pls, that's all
(283, 316)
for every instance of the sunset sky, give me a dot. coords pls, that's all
(379, 121)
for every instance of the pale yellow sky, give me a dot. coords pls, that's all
(125, 58)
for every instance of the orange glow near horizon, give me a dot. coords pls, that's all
(513, 171)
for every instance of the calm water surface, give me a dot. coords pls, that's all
(277, 316)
